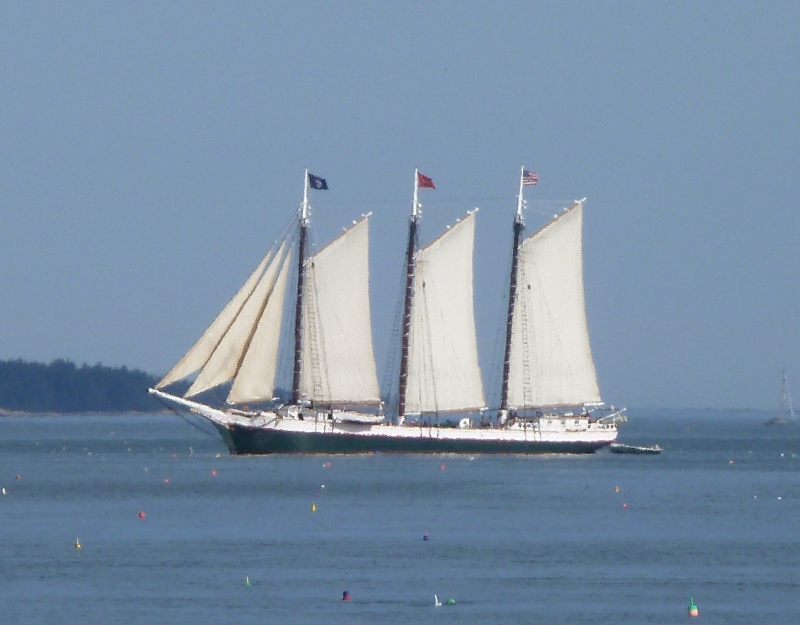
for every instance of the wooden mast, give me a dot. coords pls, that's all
(411, 251)
(301, 278)
(519, 226)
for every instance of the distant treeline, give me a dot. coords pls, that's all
(63, 387)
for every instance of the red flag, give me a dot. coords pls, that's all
(425, 182)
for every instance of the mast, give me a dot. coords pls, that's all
(519, 226)
(301, 277)
(783, 396)
(411, 250)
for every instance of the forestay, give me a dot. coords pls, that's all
(200, 352)
(444, 374)
(551, 358)
(338, 363)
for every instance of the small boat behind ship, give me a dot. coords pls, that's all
(618, 448)
(780, 418)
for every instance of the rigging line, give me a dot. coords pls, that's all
(405, 201)
(498, 352)
(285, 363)
(390, 382)
(189, 421)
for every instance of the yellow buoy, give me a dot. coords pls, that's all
(77, 543)
(313, 507)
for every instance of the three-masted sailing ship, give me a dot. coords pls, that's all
(549, 396)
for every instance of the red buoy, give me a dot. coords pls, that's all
(213, 472)
(142, 515)
(345, 596)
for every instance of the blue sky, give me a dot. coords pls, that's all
(152, 151)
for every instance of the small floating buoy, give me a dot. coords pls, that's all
(730, 462)
(247, 580)
(436, 601)
(77, 543)
(174, 455)
(313, 507)
(213, 472)
(425, 537)
(17, 477)
(218, 456)
(624, 506)
(345, 596)
(443, 467)
(616, 489)
(4, 491)
(450, 602)
(166, 480)
(323, 486)
(693, 611)
(142, 515)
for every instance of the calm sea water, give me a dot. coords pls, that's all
(512, 539)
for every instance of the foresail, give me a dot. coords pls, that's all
(255, 380)
(198, 355)
(224, 361)
(338, 363)
(444, 374)
(551, 358)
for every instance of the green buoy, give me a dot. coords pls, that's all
(450, 602)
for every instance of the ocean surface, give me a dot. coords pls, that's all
(512, 539)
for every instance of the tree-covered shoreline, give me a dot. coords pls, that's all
(62, 387)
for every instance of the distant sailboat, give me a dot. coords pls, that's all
(780, 418)
(549, 380)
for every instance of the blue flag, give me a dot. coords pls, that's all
(315, 182)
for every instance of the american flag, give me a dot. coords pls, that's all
(529, 178)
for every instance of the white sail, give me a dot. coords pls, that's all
(338, 363)
(224, 361)
(198, 355)
(443, 370)
(255, 380)
(551, 359)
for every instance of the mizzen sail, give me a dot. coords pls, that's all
(551, 358)
(338, 362)
(443, 373)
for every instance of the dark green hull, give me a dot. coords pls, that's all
(243, 440)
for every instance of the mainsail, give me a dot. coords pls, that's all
(443, 370)
(550, 358)
(338, 364)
